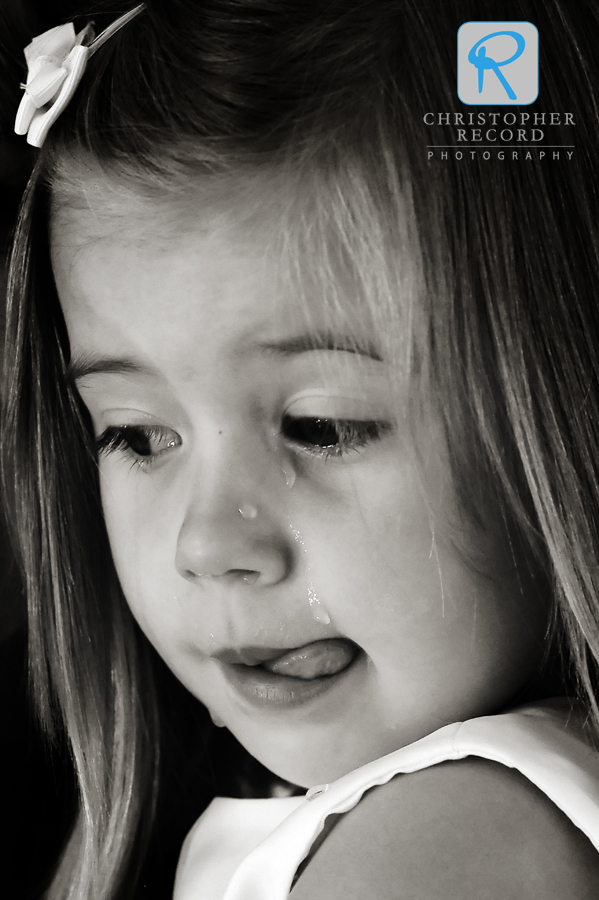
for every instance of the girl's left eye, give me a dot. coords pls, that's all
(142, 443)
(332, 437)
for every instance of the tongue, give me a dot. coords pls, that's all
(314, 660)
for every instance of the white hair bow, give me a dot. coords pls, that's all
(56, 61)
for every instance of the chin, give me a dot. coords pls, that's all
(309, 762)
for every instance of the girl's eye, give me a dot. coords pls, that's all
(332, 437)
(142, 443)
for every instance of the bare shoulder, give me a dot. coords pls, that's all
(471, 829)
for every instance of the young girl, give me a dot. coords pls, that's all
(315, 417)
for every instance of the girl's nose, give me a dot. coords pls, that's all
(237, 541)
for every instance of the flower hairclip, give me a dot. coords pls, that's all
(56, 61)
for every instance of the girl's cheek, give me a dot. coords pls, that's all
(141, 533)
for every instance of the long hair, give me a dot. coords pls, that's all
(504, 263)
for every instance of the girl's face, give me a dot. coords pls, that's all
(272, 535)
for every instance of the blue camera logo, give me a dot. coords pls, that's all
(498, 63)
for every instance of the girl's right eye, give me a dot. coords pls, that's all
(143, 444)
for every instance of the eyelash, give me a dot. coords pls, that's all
(330, 438)
(322, 437)
(124, 438)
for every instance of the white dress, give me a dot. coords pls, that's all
(251, 849)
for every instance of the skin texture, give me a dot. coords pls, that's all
(471, 829)
(187, 321)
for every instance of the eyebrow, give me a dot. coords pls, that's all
(306, 343)
(95, 364)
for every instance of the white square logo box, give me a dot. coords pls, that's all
(498, 63)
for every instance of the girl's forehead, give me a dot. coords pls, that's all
(98, 206)
(238, 223)
(294, 236)
(130, 269)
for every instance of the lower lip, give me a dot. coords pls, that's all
(265, 690)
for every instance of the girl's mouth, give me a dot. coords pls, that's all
(288, 677)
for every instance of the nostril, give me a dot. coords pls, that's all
(191, 576)
(247, 576)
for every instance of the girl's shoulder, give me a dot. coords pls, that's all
(498, 806)
(468, 828)
(505, 806)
